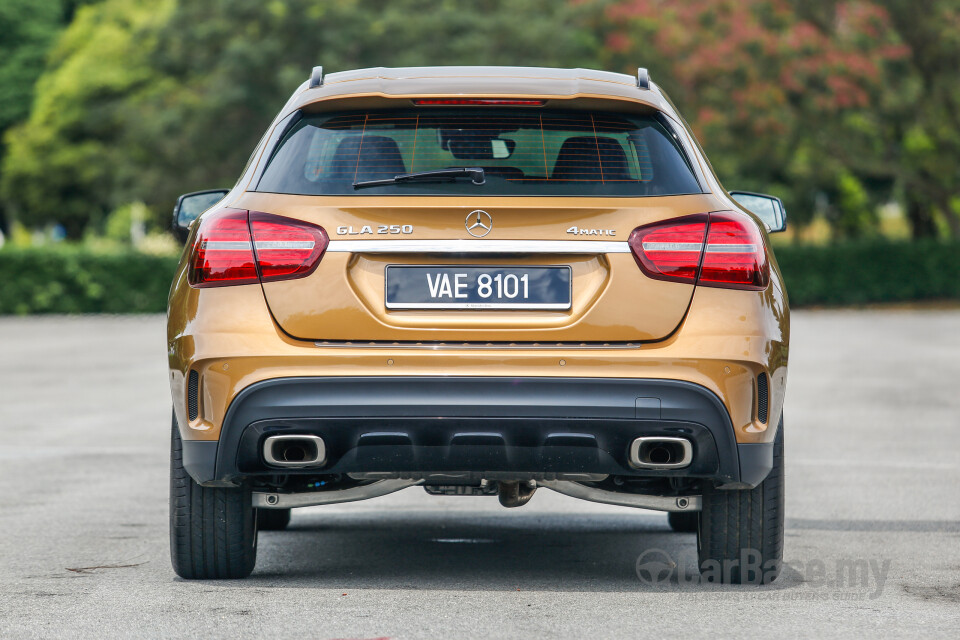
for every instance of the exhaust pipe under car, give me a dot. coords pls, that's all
(516, 493)
(294, 451)
(661, 452)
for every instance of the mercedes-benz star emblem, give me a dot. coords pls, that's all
(479, 223)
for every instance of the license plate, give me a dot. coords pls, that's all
(425, 287)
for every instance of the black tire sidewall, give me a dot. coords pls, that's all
(736, 526)
(213, 532)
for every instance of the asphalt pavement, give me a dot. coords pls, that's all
(872, 540)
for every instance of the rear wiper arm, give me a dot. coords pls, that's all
(474, 173)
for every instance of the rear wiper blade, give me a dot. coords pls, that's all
(474, 173)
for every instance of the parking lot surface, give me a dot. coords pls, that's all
(872, 539)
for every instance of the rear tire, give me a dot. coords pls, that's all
(684, 521)
(740, 538)
(213, 531)
(272, 519)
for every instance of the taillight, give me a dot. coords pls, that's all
(733, 255)
(222, 253)
(286, 248)
(240, 247)
(670, 250)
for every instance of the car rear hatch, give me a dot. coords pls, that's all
(537, 252)
(344, 299)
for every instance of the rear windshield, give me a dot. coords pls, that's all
(522, 152)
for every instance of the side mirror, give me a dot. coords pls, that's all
(191, 205)
(767, 208)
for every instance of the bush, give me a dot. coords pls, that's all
(73, 280)
(854, 273)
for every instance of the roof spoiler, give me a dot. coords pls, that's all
(316, 78)
(643, 78)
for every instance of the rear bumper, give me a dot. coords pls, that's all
(534, 425)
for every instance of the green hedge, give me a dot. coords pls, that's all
(70, 280)
(870, 272)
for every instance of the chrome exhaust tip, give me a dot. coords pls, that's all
(660, 452)
(294, 452)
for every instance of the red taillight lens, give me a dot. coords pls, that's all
(286, 248)
(670, 250)
(240, 247)
(733, 256)
(222, 253)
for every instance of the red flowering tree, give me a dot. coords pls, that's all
(794, 98)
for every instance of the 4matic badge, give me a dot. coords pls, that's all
(579, 231)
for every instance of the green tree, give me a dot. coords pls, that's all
(914, 134)
(66, 162)
(145, 100)
(28, 27)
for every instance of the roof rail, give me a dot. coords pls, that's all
(316, 77)
(643, 78)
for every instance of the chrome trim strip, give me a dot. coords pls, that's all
(443, 346)
(477, 246)
(478, 305)
(731, 248)
(697, 246)
(262, 245)
(673, 246)
(226, 245)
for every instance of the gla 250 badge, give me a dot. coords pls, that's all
(382, 229)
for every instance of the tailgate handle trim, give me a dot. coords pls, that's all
(477, 246)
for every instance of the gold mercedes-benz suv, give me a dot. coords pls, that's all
(484, 281)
